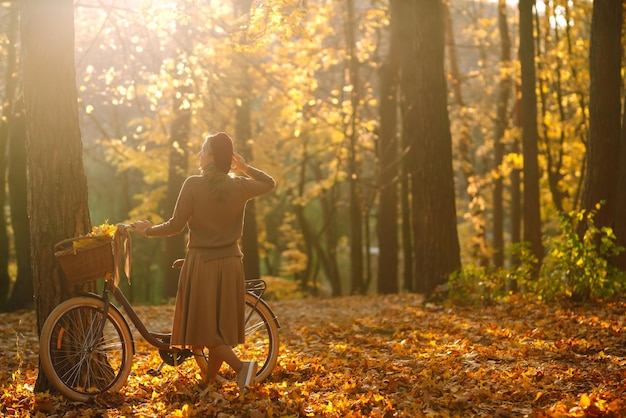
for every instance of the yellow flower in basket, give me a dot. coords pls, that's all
(105, 230)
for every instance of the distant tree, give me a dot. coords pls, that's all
(310, 241)
(354, 170)
(408, 122)
(243, 135)
(473, 182)
(8, 105)
(553, 144)
(57, 185)
(22, 294)
(387, 221)
(502, 119)
(620, 205)
(437, 252)
(178, 164)
(516, 183)
(530, 135)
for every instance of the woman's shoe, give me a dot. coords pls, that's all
(246, 375)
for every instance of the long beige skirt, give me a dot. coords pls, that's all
(210, 302)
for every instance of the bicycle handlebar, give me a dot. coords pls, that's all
(122, 227)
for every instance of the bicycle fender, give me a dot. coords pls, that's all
(264, 303)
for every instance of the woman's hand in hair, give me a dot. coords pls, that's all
(239, 163)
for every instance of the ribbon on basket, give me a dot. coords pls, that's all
(122, 247)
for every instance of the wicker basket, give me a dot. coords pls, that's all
(87, 262)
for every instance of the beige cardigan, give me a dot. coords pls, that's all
(215, 225)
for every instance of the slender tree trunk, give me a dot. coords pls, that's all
(307, 232)
(516, 186)
(620, 203)
(175, 245)
(243, 134)
(437, 252)
(553, 146)
(249, 240)
(8, 105)
(605, 55)
(506, 84)
(387, 222)
(22, 294)
(57, 185)
(328, 234)
(178, 163)
(406, 223)
(582, 130)
(473, 182)
(409, 130)
(530, 135)
(356, 195)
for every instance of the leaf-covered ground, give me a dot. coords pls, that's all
(373, 356)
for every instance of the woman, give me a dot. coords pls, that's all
(210, 304)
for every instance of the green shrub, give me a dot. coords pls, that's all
(471, 285)
(480, 285)
(577, 267)
(574, 267)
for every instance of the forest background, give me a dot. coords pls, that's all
(402, 136)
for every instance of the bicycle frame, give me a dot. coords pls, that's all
(160, 341)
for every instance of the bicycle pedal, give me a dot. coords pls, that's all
(154, 372)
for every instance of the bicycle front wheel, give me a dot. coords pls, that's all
(82, 352)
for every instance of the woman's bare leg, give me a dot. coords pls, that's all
(218, 355)
(201, 360)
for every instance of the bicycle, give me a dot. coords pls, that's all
(86, 344)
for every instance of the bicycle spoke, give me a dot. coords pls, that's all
(84, 352)
(254, 328)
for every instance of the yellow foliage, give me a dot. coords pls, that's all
(105, 230)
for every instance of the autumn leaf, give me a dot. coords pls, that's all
(374, 356)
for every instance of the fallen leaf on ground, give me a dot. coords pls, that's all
(375, 356)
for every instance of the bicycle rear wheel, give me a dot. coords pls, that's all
(262, 341)
(82, 352)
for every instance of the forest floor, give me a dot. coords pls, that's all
(375, 356)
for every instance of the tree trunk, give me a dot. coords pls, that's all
(473, 182)
(8, 105)
(22, 294)
(178, 163)
(583, 129)
(437, 252)
(57, 185)
(554, 150)
(620, 203)
(516, 188)
(356, 195)
(603, 148)
(328, 258)
(409, 130)
(387, 222)
(249, 241)
(177, 169)
(530, 135)
(243, 134)
(310, 241)
(501, 124)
